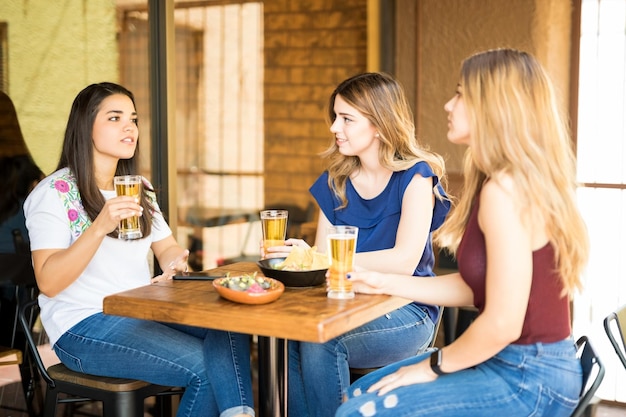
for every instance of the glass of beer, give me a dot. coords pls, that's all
(129, 185)
(274, 223)
(341, 250)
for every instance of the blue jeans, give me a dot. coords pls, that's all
(319, 374)
(520, 381)
(212, 366)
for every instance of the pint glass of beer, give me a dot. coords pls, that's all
(341, 250)
(274, 223)
(129, 185)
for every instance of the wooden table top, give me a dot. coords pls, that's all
(303, 314)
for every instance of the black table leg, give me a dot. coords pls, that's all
(273, 370)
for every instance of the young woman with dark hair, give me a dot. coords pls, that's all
(72, 218)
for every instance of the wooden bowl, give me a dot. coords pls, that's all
(274, 291)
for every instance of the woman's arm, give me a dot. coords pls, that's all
(56, 269)
(448, 290)
(171, 257)
(509, 245)
(322, 231)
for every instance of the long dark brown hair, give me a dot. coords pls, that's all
(77, 153)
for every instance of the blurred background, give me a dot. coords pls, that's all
(232, 95)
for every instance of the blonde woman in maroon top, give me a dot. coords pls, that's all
(521, 246)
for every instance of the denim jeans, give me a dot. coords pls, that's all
(319, 374)
(212, 366)
(520, 381)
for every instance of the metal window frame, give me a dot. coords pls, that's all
(4, 57)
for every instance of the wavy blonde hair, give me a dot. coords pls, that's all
(381, 99)
(517, 128)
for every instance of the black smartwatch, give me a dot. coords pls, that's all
(435, 362)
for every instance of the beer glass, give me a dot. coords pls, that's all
(274, 223)
(129, 185)
(341, 250)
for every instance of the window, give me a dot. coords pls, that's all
(4, 58)
(219, 120)
(601, 151)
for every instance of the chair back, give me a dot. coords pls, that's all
(17, 267)
(18, 277)
(28, 313)
(120, 397)
(593, 373)
(21, 245)
(615, 327)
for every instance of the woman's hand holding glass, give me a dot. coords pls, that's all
(116, 209)
(366, 282)
(282, 251)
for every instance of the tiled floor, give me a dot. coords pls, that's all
(12, 398)
(12, 402)
(610, 411)
(11, 394)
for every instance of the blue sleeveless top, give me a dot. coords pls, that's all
(378, 218)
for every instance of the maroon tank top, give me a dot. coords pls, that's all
(548, 315)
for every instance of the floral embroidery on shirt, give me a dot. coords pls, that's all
(66, 187)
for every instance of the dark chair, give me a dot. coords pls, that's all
(593, 373)
(17, 272)
(120, 397)
(617, 332)
(18, 287)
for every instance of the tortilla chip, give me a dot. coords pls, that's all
(304, 259)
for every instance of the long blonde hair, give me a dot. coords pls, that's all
(517, 128)
(381, 99)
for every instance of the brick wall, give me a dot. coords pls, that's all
(310, 46)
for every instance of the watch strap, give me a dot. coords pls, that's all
(435, 362)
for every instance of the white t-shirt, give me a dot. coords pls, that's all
(55, 218)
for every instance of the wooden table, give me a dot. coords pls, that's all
(303, 314)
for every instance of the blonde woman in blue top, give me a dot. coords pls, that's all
(380, 179)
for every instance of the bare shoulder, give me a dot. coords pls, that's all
(501, 209)
(419, 181)
(499, 188)
(499, 204)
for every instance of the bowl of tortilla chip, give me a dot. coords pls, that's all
(304, 267)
